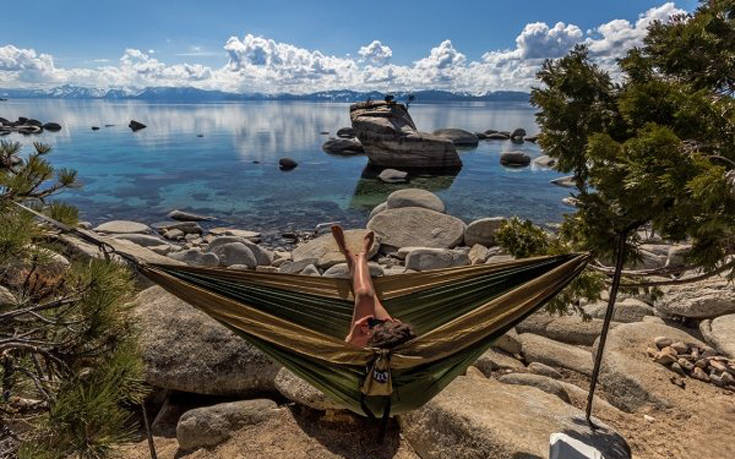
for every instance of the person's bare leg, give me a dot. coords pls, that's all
(366, 301)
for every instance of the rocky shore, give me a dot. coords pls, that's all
(218, 396)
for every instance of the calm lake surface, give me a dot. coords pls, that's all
(232, 171)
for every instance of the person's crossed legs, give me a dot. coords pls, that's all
(368, 307)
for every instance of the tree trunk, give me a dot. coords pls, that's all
(619, 260)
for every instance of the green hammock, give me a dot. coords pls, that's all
(301, 322)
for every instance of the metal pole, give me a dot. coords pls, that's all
(620, 253)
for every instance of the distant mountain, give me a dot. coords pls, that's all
(189, 94)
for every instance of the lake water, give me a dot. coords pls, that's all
(232, 171)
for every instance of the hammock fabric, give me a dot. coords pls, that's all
(301, 322)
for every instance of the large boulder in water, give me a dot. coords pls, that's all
(417, 227)
(186, 350)
(390, 138)
(459, 137)
(479, 417)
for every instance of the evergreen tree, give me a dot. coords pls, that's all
(651, 148)
(69, 366)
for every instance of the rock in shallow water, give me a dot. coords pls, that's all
(287, 164)
(183, 216)
(136, 125)
(390, 138)
(459, 137)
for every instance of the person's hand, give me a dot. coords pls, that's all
(362, 326)
(361, 332)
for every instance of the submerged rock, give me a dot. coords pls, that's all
(183, 216)
(390, 138)
(459, 137)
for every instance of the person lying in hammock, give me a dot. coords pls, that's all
(371, 325)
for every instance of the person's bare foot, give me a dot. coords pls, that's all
(339, 237)
(367, 241)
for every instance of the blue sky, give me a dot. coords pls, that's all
(299, 46)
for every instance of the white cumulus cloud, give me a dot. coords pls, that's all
(375, 53)
(260, 64)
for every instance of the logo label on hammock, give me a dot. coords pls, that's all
(381, 376)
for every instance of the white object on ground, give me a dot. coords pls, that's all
(562, 446)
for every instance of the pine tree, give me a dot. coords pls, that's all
(69, 365)
(655, 149)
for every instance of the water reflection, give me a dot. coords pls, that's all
(232, 171)
(371, 191)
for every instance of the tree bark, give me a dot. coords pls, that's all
(619, 261)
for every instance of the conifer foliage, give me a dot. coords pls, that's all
(70, 372)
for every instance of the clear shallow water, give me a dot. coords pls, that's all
(143, 175)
